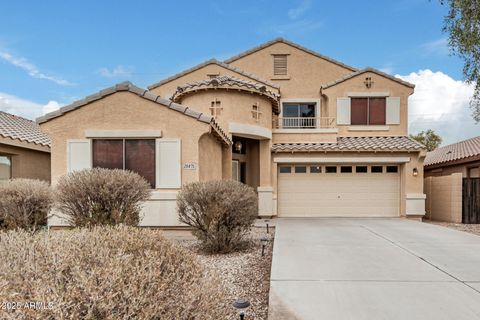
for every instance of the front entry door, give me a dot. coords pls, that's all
(239, 170)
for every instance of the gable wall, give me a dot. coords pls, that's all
(124, 111)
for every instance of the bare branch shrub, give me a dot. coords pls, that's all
(102, 197)
(106, 272)
(24, 203)
(221, 213)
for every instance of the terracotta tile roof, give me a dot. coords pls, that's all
(15, 127)
(145, 94)
(456, 151)
(227, 82)
(369, 69)
(293, 44)
(400, 143)
(219, 63)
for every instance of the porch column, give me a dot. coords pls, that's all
(226, 163)
(265, 190)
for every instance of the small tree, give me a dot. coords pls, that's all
(102, 197)
(24, 204)
(429, 139)
(221, 212)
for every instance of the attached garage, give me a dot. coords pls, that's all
(330, 190)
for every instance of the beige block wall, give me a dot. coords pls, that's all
(236, 107)
(444, 198)
(166, 90)
(124, 111)
(306, 72)
(27, 163)
(381, 84)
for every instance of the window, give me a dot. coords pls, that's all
(216, 108)
(368, 111)
(361, 169)
(256, 113)
(137, 155)
(5, 168)
(331, 169)
(300, 169)
(392, 169)
(280, 65)
(346, 169)
(299, 115)
(377, 169)
(315, 169)
(285, 169)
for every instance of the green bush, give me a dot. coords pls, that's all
(24, 204)
(221, 213)
(106, 272)
(102, 197)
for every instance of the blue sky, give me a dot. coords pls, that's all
(60, 51)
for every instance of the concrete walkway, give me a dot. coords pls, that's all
(373, 269)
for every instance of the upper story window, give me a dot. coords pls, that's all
(216, 108)
(5, 168)
(280, 65)
(368, 111)
(256, 113)
(137, 155)
(298, 115)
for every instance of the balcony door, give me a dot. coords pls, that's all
(299, 115)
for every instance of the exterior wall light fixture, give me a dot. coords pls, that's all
(238, 146)
(415, 172)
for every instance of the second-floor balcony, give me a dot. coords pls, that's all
(304, 123)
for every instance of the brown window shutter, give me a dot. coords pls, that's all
(359, 111)
(376, 110)
(279, 64)
(107, 153)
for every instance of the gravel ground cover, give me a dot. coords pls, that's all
(244, 274)
(471, 228)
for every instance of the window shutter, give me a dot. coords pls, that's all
(343, 110)
(393, 110)
(79, 154)
(279, 64)
(168, 163)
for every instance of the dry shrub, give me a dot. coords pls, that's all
(102, 197)
(24, 203)
(221, 213)
(105, 272)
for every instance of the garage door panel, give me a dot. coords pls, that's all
(339, 195)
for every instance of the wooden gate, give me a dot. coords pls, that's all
(471, 200)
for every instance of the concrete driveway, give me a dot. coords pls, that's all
(373, 269)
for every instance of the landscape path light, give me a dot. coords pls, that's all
(241, 305)
(264, 241)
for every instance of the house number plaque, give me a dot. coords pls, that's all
(190, 166)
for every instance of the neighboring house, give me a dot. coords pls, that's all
(452, 182)
(461, 157)
(24, 149)
(313, 136)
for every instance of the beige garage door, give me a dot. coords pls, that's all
(338, 191)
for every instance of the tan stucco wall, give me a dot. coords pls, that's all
(448, 170)
(210, 158)
(124, 111)
(306, 72)
(27, 163)
(444, 198)
(236, 107)
(381, 84)
(167, 89)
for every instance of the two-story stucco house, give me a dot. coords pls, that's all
(313, 136)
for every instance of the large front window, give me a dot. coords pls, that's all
(5, 168)
(368, 111)
(299, 115)
(137, 155)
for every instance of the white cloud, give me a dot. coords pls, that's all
(118, 71)
(296, 12)
(31, 69)
(387, 69)
(439, 46)
(441, 103)
(25, 108)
